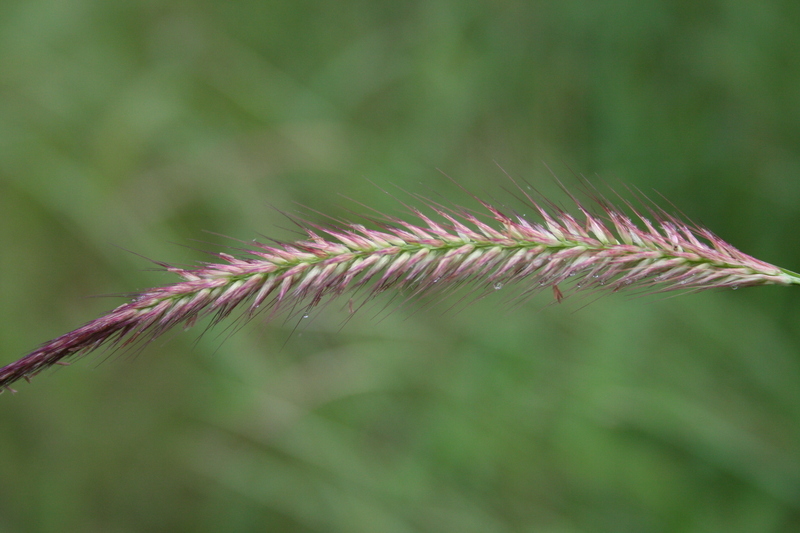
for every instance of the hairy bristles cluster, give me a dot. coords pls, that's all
(610, 251)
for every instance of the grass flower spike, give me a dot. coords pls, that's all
(452, 247)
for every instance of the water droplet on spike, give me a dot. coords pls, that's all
(498, 286)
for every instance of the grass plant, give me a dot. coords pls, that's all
(650, 250)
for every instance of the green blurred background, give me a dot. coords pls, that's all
(132, 126)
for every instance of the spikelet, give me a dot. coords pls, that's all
(609, 251)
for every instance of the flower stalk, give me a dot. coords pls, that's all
(608, 251)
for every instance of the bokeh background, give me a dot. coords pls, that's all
(136, 127)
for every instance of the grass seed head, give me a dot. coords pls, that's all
(587, 252)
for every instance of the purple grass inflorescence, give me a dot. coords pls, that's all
(606, 251)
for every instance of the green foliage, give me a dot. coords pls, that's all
(136, 125)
